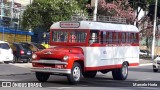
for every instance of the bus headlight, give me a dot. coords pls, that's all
(34, 56)
(65, 58)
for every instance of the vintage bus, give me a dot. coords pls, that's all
(82, 48)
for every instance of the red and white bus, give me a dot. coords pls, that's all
(86, 47)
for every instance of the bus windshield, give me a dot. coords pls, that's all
(69, 36)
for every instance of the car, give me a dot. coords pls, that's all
(142, 53)
(21, 52)
(34, 46)
(156, 64)
(6, 54)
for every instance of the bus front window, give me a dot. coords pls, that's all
(59, 36)
(76, 36)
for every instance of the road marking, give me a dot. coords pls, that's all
(143, 79)
(147, 64)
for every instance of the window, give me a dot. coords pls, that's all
(59, 36)
(71, 36)
(127, 37)
(94, 37)
(123, 37)
(4, 46)
(109, 37)
(77, 36)
(103, 37)
(134, 38)
(116, 37)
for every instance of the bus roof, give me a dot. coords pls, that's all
(93, 26)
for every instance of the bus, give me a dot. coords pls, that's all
(83, 48)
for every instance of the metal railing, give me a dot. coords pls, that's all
(107, 19)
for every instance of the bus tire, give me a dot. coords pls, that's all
(121, 73)
(155, 69)
(89, 74)
(75, 75)
(42, 77)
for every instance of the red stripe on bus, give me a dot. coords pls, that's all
(108, 67)
(99, 45)
(134, 64)
(103, 67)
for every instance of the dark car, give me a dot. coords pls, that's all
(21, 52)
(34, 46)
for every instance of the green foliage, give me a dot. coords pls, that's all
(42, 13)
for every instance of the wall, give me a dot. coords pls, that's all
(15, 38)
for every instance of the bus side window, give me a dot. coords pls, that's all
(110, 40)
(94, 37)
(103, 37)
(123, 37)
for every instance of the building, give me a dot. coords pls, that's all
(11, 13)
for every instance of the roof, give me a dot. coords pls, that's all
(13, 31)
(98, 26)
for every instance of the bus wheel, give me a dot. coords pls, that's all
(155, 69)
(121, 73)
(90, 74)
(75, 75)
(42, 77)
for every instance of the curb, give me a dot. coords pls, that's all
(146, 64)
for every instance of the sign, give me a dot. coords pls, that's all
(69, 24)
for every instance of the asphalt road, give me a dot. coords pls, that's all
(142, 75)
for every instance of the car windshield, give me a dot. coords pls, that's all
(25, 47)
(74, 36)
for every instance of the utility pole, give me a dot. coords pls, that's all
(154, 29)
(12, 7)
(2, 9)
(95, 10)
(2, 15)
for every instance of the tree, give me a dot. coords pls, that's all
(42, 13)
(116, 8)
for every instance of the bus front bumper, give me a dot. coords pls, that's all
(51, 70)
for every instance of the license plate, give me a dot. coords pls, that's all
(28, 53)
(58, 66)
(47, 68)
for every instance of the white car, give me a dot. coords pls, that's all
(6, 53)
(156, 64)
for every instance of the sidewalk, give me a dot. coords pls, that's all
(145, 60)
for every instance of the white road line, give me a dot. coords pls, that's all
(147, 64)
(143, 79)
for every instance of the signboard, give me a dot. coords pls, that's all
(69, 24)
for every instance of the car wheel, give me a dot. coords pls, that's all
(75, 75)
(121, 73)
(42, 77)
(30, 60)
(6, 62)
(155, 69)
(14, 59)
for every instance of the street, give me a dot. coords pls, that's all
(136, 75)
